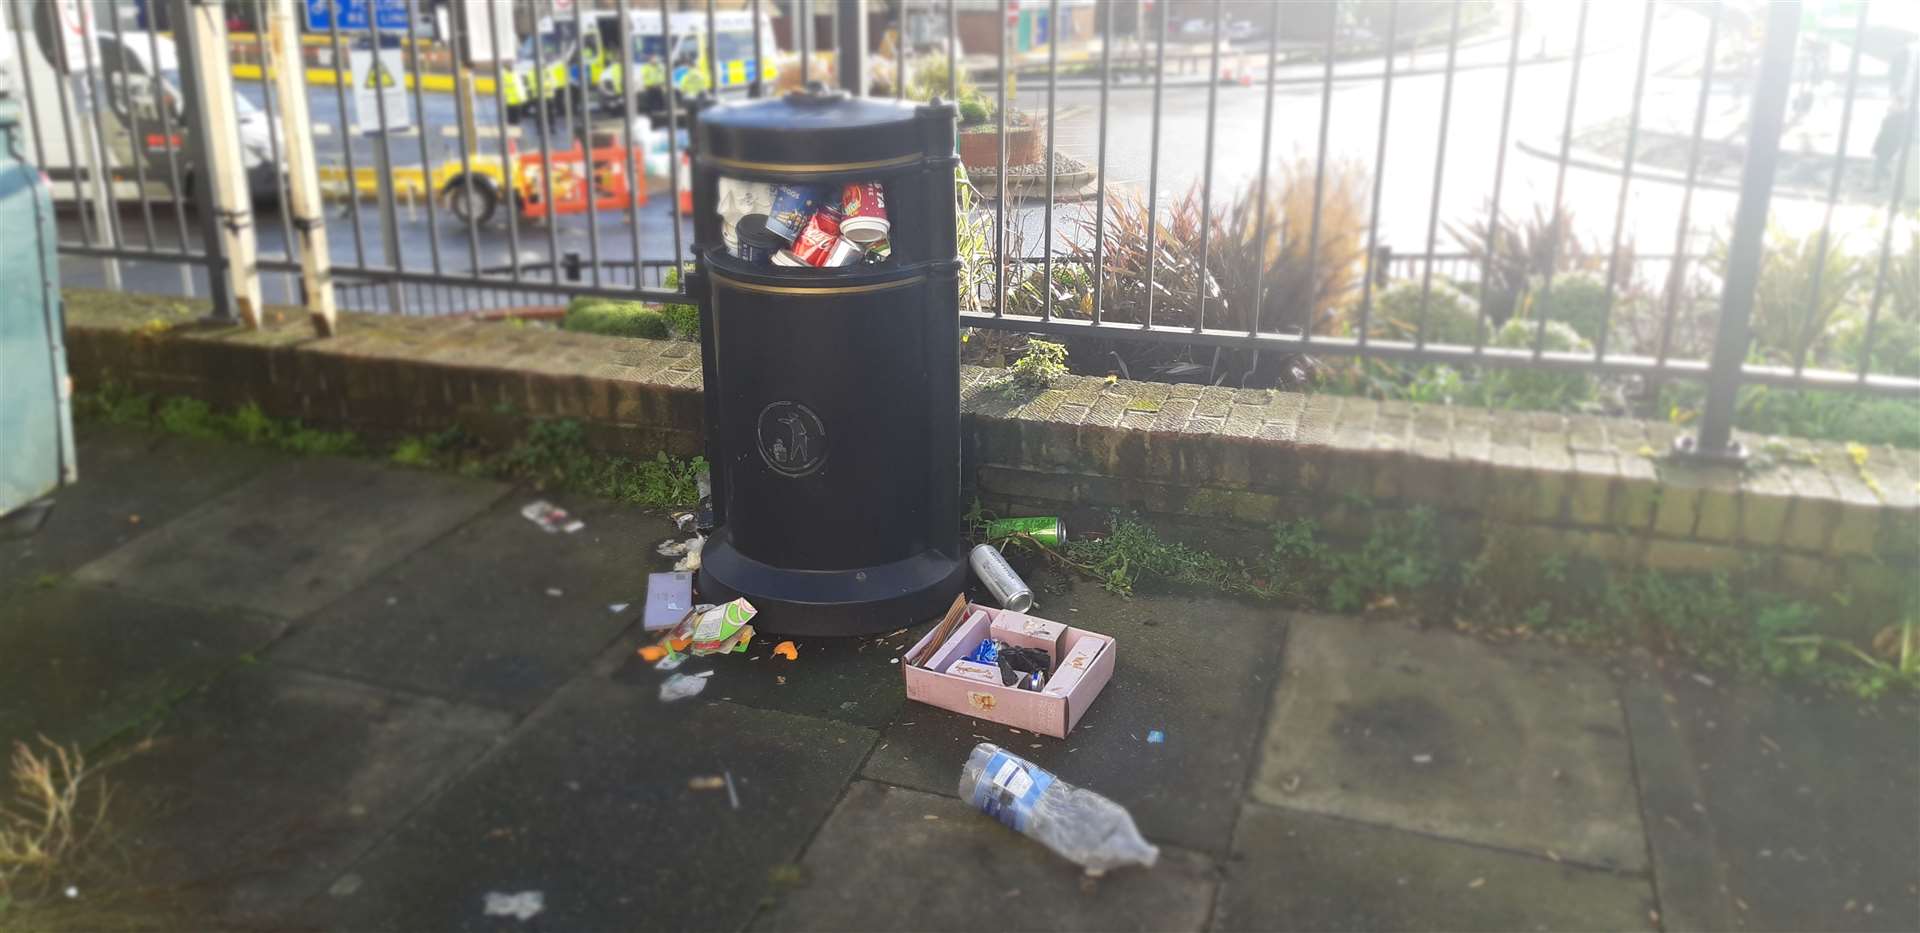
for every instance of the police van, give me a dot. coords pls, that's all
(143, 123)
(689, 67)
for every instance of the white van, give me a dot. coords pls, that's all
(132, 84)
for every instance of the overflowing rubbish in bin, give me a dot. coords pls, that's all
(824, 226)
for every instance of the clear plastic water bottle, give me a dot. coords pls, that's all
(1074, 822)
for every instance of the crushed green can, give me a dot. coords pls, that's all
(1045, 529)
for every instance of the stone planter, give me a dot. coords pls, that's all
(980, 145)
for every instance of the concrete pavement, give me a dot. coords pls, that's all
(380, 699)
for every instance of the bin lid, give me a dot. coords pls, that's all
(816, 131)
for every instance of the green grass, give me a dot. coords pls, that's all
(634, 318)
(1722, 622)
(553, 454)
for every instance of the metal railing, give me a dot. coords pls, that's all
(1544, 115)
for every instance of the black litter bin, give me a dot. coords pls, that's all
(831, 362)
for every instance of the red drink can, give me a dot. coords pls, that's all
(863, 207)
(819, 243)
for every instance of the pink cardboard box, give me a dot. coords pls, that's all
(1018, 628)
(1044, 713)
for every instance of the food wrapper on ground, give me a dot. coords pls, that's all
(720, 629)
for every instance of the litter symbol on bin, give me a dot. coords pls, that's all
(793, 441)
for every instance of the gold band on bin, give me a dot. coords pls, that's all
(821, 290)
(816, 168)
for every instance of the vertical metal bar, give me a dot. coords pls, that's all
(1053, 67)
(97, 139)
(274, 125)
(953, 54)
(1833, 188)
(628, 75)
(1886, 236)
(546, 144)
(900, 50)
(20, 30)
(420, 127)
(1312, 310)
(805, 41)
(468, 122)
(1626, 182)
(509, 169)
(1000, 199)
(1100, 173)
(383, 151)
(1676, 275)
(1499, 181)
(136, 142)
(673, 137)
(1266, 152)
(712, 39)
(1153, 164)
(586, 132)
(1560, 175)
(1206, 170)
(1380, 162)
(1439, 176)
(342, 76)
(755, 88)
(850, 44)
(81, 202)
(1749, 230)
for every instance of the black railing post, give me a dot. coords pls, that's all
(850, 45)
(1748, 246)
(199, 176)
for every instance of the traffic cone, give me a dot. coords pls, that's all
(684, 175)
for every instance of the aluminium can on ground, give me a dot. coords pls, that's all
(1049, 531)
(1007, 588)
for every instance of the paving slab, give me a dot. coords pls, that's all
(1199, 670)
(590, 805)
(131, 481)
(295, 537)
(1297, 871)
(80, 663)
(896, 859)
(476, 616)
(1516, 746)
(1799, 811)
(258, 792)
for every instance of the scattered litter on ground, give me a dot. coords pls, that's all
(779, 679)
(706, 782)
(1423, 759)
(555, 591)
(893, 661)
(133, 519)
(733, 796)
(788, 650)
(672, 548)
(551, 518)
(1477, 882)
(523, 905)
(1156, 737)
(652, 653)
(1703, 680)
(691, 560)
(1076, 823)
(681, 686)
(931, 817)
(617, 608)
(683, 521)
(670, 663)
(346, 886)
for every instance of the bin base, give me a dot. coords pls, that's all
(831, 602)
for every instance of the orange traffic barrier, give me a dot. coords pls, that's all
(607, 183)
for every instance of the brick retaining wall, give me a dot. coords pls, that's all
(1575, 484)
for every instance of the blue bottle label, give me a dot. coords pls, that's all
(1008, 790)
